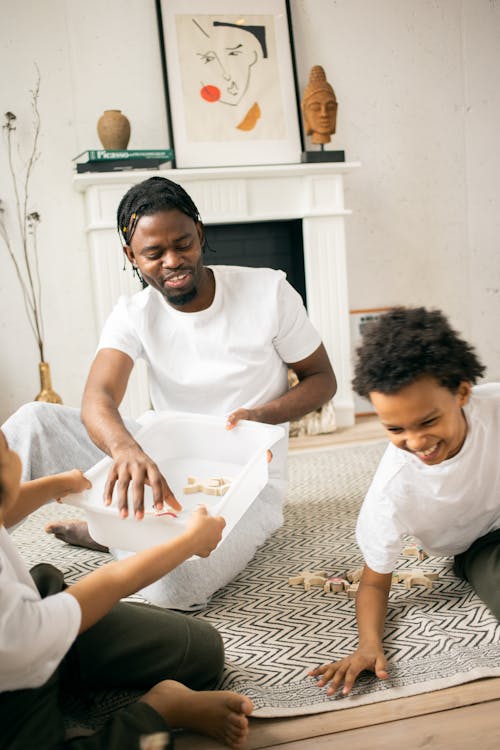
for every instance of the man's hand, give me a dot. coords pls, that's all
(133, 466)
(316, 386)
(250, 416)
(347, 670)
(205, 530)
(233, 419)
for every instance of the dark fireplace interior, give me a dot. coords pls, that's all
(263, 244)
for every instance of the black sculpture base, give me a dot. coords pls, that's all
(319, 156)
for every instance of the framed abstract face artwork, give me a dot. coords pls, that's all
(230, 82)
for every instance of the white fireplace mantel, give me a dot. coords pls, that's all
(313, 193)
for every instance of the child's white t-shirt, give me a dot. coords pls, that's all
(35, 633)
(228, 356)
(445, 507)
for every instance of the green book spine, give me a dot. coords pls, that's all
(104, 154)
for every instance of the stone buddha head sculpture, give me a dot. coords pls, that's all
(319, 107)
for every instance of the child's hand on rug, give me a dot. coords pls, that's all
(347, 670)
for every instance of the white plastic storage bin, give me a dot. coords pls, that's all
(183, 445)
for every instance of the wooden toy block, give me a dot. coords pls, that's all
(209, 490)
(309, 578)
(352, 590)
(417, 577)
(353, 576)
(432, 575)
(317, 580)
(335, 584)
(211, 486)
(402, 575)
(214, 482)
(191, 489)
(415, 550)
(217, 490)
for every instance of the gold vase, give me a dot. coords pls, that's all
(46, 393)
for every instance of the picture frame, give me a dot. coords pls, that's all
(230, 82)
(358, 320)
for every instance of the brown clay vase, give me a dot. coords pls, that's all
(113, 129)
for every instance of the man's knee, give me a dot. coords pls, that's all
(26, 414)
(33, 415)
(49, 438)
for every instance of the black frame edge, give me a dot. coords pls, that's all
(163, 57)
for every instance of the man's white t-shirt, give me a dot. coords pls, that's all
(230, 355)
(445, 507)
(35, 633)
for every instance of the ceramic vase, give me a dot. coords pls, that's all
(113, 129)
(46, 393)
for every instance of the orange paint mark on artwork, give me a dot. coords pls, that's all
(210, 93)
(251, 118)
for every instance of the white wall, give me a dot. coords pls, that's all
(419, 105)
(92, 55)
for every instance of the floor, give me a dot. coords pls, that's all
(366, 428)
(456, 718)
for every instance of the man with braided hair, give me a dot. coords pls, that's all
(217, 340)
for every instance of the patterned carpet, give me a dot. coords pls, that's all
(274, 632)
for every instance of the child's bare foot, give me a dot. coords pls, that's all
(76, 532)
(220, 714)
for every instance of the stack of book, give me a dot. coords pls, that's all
(104, 160)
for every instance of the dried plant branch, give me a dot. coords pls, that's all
(26, 300)
(27, 265)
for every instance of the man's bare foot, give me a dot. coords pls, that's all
(76, 532)
(220, 714)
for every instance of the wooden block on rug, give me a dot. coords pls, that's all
(308, 578)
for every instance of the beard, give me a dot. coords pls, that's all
(179, 300)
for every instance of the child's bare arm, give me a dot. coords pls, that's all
(371, 607)
(99, 591)
(37, 492)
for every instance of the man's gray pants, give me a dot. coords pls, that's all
(51, 438)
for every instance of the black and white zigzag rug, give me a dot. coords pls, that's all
(274, 633)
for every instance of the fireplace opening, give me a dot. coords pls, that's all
(262, 244)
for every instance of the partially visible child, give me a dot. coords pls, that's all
(56, 639)
(439, 479)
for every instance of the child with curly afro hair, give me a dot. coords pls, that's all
(438, 480)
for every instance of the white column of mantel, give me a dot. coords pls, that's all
(327, 302)
(110, 281)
